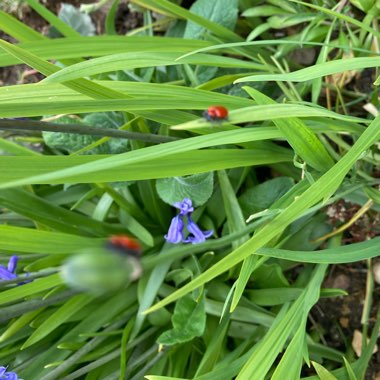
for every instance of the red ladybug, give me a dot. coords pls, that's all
(216, 113)
(124, 244)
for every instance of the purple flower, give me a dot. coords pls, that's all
(9, 273)
(175, 233)
(198, 236)
(7, 375)
(185, 207)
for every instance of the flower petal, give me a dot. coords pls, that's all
(185, 207)
(12, 263)
(11, 376)
(5, 274)
(175, 233)
(199, 236)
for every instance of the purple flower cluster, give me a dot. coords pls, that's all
(4, 375)
(175, 233)
(9, 272)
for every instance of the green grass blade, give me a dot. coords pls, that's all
(180, 164)
(133, 60)
(95, 46)
(323, 373)
(149, 153)
(42, 211)
(16, 149)
(52, 19)
(349, 370)
(341, 16)
(291, 362)
(34, 287)
(268, 348)
(59, 317)
(83, 86)
(27, 240)
(304, 142)
(17, 29)
(316, 71)
(345, 254)
(235, 222)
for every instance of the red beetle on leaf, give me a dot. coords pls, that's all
(216, 113)
(124, 244)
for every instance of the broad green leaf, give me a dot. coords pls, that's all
(79, 21)
(173, 9)
(303, 236)
(71, 142)
(197, 187)
(274, 296)
(221, 13)
(269, 276)
(262, 196)
(189, 321)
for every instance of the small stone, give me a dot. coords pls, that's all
(376, 272)
(344, 322)
(357, 343)
(341, 281)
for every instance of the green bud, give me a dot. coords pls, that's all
(100, 270)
